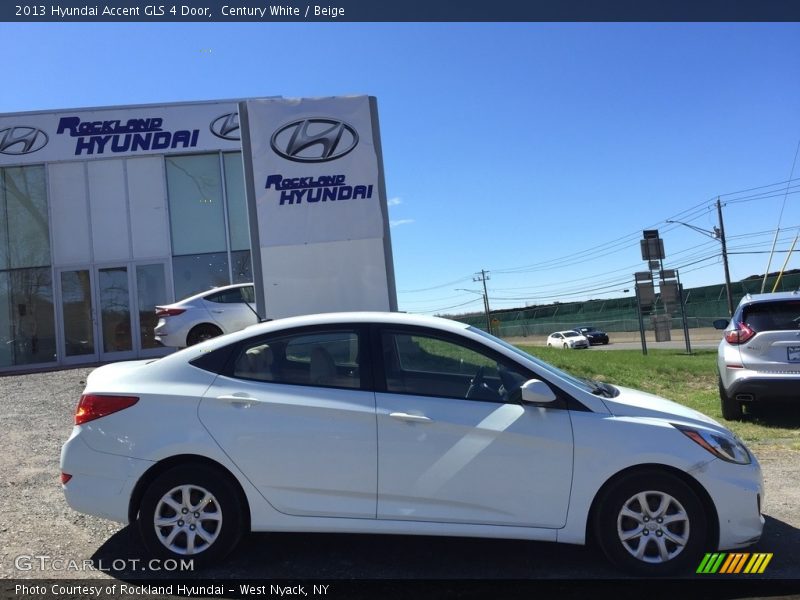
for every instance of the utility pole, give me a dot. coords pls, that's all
(482, 276)
(718, 234)
(725, 258)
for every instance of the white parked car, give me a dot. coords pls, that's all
(567, 339)
(394, 423)
(206, 315)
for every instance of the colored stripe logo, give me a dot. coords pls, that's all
(734, 563)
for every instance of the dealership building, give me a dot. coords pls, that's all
(107, 212)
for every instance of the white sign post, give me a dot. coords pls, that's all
(316, 194)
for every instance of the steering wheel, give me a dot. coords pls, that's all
(476, 383)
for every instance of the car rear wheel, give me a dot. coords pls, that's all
(201, 333)
(652, 523)
(191, 512)
(731, 407)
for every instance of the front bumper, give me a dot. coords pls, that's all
(737, 492)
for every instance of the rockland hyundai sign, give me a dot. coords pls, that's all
(318, 211)
(117, 132)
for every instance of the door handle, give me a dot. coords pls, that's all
(238, 401)
(401, 416)
(217, 311)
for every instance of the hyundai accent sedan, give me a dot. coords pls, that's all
(393, 423)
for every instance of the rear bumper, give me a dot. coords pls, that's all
(758, 388)
(101, 483)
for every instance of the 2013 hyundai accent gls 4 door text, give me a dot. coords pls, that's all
(393, 423)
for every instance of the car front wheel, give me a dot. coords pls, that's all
(652, 523)
(191, 512)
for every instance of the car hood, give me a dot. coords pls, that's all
(635, 403)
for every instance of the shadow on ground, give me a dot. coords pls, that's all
(783, 415)
(454, 567)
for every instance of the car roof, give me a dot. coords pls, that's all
(389, 318)
(770, 297)
(205, 293)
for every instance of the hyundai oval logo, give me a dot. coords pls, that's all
(314, 140)
(22, 140)
(226, 127)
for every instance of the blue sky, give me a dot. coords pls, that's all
(537, 151)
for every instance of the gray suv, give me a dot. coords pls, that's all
(759, 355)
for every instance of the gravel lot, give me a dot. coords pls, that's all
(36, 418)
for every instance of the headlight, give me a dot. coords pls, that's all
(725, 447)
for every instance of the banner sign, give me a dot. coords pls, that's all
(39, 137)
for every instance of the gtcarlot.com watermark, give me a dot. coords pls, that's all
(44, 562)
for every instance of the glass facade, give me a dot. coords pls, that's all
(115, 309)
(87, 304)
(77, 312)
(27, 320)
(199, 272)
(207, 191)
(151, 290)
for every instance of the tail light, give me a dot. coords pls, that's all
(65, 477)
(94, 406)
(163, 311)
(740, 335)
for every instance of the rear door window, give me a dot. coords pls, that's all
(226, 297)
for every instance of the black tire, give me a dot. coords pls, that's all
(731, 408)
(690, 524)
(566, 346)
(201, 333)
(215, 536)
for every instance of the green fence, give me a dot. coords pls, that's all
(703, 306)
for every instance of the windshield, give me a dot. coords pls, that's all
(580, 383)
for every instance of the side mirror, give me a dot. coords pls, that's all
(721, 323)
(537, 392)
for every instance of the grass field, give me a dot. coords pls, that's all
(688, 379)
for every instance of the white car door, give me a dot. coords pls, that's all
(293, 417)
(455, 446)
(229, 309)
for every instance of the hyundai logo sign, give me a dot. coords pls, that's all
(22, 140)
(226, 127)
(314, 140)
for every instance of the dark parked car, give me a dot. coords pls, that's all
(593, 334)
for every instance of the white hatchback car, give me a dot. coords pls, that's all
(567, 339)
(393, 423)
(206, 315)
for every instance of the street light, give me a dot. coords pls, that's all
(718, 233)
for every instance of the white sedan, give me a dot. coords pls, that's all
(206, 315)
(393, 423)
(567, 339)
